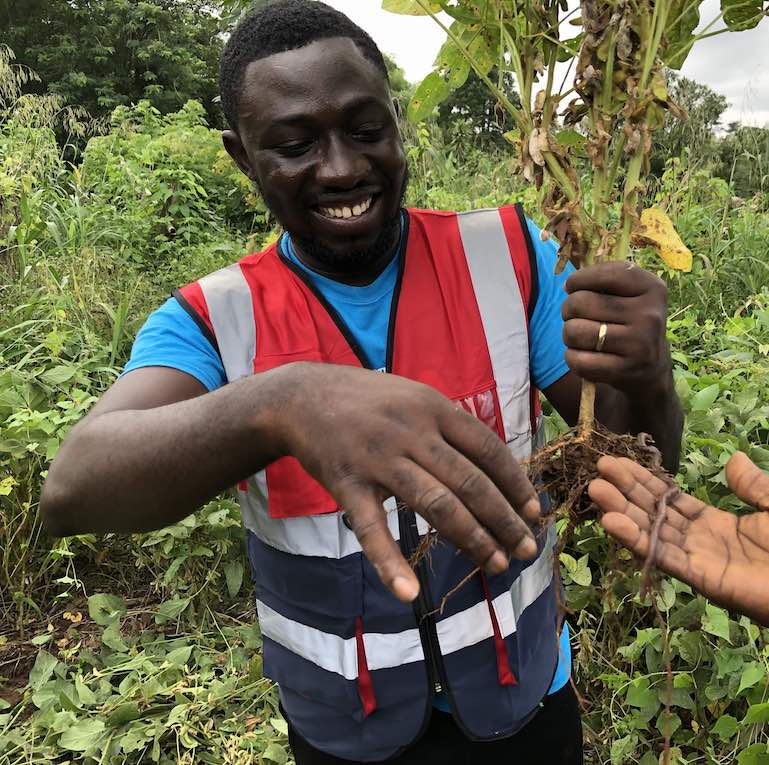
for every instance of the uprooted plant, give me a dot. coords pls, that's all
(606, 119)
(603, 117)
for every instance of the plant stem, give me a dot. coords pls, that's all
(586, 419)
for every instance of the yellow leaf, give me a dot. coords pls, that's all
(656, 230)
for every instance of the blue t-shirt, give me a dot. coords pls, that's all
(170, 338)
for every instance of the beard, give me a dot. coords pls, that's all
(357, 259)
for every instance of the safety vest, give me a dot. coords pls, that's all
(357, 669)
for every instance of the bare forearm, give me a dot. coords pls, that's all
(136, 470)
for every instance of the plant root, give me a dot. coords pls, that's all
(565, 467)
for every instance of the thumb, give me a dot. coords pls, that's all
(748, 481)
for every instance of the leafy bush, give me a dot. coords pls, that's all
(167, 185)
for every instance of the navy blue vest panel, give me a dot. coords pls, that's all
(327, 596)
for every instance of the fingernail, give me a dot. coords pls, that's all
(498, 563)
(532, 509)
(527, 549)
(405, 589)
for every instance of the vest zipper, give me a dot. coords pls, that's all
(423, 605)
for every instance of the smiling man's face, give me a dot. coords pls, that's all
(318, 134)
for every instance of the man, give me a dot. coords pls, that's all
(267, 374)
(723, 555)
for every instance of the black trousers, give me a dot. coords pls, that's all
(552, 737)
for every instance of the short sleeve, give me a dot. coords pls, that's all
(546, 348)
(171, 338)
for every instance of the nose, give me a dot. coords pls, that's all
(341, 166)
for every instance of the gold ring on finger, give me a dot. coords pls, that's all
(602, 332)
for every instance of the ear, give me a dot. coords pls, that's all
(237, 151)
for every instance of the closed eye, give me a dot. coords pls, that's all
(294, 148)
(372, 133)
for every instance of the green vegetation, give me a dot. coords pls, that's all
(144, 648)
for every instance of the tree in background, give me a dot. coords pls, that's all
(696, 134)
(100, 54)
(744, 157)
(472, 110)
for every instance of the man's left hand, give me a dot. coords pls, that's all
(632, 303)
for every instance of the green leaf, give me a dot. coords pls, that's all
(715, 621)
(704, 399)
(570, 138)
(59, 375)
(105, 609)
(41, 639)
(41, 670)
(742, 14)
(171, 609)
(725, 727)
(582, 574)
(233, 573)
(429, 93)
(179, 656)
(280, 725)
(641, 695)
(276, 753)
(112, 638)
(670, 724)
(754, 755)
(757, 714)
(752, 673)
(123, 714)
(82, 736)
(683, 18)
(622, 749)
(85, 694)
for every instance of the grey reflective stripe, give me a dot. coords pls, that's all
(324, 536)
(503, 315)
(475, 625)
(231, 311)
(455, 632)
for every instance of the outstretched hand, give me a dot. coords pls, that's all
(381, 435)
(722, 555)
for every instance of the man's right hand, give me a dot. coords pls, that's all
(157, 446)
(723, 555)
(366, 436)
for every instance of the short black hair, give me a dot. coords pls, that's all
(280, 26)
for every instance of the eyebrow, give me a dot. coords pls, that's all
(302, 118)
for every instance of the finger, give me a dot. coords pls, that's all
(610, 500)
(639, 487)
(686, 506)
(369, 524)
(598, 366)
(583, 334)
(483, 447)
(598, 307)
(748, 481)
(617, 278)
(670, 558)
(443, 510)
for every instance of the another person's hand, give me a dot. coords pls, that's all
(723, 555)
(366, 436)
(632, 303)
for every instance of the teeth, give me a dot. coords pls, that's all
(347, 212)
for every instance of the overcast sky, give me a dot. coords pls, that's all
(734, 64)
